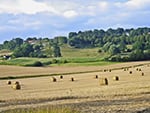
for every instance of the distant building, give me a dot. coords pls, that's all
(7, 57)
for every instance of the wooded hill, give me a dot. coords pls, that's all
(120, 44)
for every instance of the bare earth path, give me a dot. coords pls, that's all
(131, 94)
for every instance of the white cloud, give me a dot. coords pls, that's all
(70, 14)
(133, 5)
(51, 17)
(104, 6)
(24, 6)
(25, 23)
(66, 8)
(137, 4)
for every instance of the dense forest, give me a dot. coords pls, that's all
(120, 44)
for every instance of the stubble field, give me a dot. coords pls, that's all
(130, 94)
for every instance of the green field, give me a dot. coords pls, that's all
(70, 57)
(70, 52)
(59, 61)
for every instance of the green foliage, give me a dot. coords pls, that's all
(25, 50)
(60, 40)
(47, 62)
(54, 61)
(112, 42)
(12, 44)
(76, 61)
(113, 49)
(137, 55)
(37, 64)
(56, 51)
(107, 46)
(99, 51)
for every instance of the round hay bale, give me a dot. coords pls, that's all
(72, 79)
(130, 72)
(105, 70)
(96, 76)
(137, 69)
(125, 69)
(142, 74)
(103, 81)
(61, 77)
(16, 82)
(54, 79)
(16, 86)
(8, 82)
(116, 78)
(140, 69)
(109, 70)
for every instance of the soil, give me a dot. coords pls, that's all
(130, 94)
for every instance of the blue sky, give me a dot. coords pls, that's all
(49, 18)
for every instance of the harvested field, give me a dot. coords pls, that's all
(27, 71)
(130, 94)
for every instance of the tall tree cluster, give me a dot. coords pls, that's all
(33, 47)
(121, 44)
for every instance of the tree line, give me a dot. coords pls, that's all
(34, 47)
(120, 44)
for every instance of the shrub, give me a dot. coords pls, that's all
(54, 61)
(63, 61)
(99, 51)
(37, 64)
(47, 63)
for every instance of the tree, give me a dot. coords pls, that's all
(56, 51)
(18, 41)
(138, 45)
(113, 50)
(60, 40)
(147, 54)
(107, 46)
(1, 46)
(122, 46)
(72, 34)
(137, 55)
(25, 50)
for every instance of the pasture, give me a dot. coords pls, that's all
(130, 93)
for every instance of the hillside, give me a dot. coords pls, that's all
(110, 45)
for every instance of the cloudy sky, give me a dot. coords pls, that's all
(49, 18)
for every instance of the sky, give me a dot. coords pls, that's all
(50, 18)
